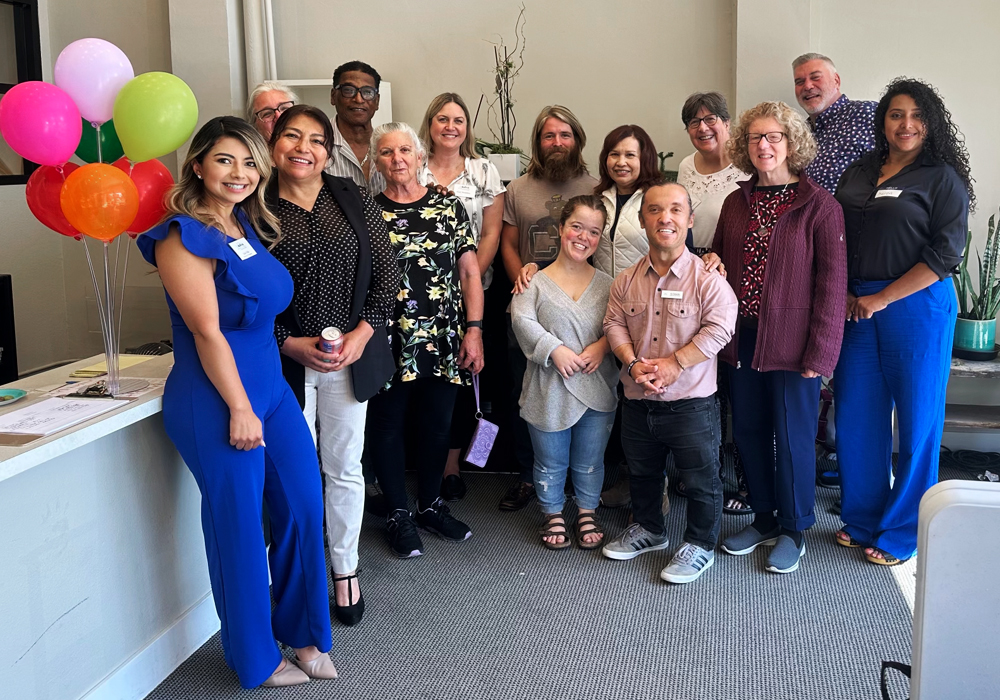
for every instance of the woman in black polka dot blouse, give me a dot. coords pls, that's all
(336, 247)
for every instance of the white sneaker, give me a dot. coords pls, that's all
(689, 562)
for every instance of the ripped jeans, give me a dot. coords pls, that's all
(580, 448)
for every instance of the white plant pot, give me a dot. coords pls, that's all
(509, 165)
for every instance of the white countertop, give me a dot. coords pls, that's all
(14, 460)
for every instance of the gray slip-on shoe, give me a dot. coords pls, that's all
(749, 539)
(784, 558)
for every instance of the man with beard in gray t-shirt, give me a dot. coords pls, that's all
(530, 234)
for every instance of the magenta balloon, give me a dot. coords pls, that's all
(40, 122)
(92, 71)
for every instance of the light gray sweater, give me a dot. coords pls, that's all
(545, 317)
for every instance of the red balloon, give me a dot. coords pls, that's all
(153, 180)
(42, 194)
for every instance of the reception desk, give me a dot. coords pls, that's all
(104, 587)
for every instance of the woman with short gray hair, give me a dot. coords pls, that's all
(265, 104)
(436, 332)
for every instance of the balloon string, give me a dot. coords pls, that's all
(121, 304)
(93, 278)
(97, 133)
(109, 352)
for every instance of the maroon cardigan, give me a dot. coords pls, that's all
(804, 299)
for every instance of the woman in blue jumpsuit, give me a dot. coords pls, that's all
(233, 417)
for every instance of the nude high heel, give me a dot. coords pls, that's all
(288, 674)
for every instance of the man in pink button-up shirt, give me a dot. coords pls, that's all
(667, 319)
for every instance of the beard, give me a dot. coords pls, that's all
(560, 164)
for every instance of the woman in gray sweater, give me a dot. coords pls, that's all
(568, 397)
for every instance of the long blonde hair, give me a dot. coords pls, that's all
(467, 149)
(187, 196)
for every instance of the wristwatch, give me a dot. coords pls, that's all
(474, 324)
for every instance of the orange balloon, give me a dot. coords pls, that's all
(99, 200)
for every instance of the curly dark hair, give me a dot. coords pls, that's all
(944, 142)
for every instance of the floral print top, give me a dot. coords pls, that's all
(429, 236)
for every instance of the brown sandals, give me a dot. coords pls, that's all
(551, 528)
(586, 524)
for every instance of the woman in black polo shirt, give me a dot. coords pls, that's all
(906, 208)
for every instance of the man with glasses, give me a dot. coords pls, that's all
(844, 129)
(266, 103)
(355, 97)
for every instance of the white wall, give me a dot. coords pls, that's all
(611, 63)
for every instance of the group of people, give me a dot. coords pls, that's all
(326, 288)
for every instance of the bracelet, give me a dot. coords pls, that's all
(678, 361)
(630, 366)
(474, 324)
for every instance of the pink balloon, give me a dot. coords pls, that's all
(92, 71)
(40, 122)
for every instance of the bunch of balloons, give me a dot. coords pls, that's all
(116, 122)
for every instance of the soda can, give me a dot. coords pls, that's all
(331, 340)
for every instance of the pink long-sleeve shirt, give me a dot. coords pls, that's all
(660, 315)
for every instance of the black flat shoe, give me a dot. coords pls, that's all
(518, 496)
(349, 615)
(452, 488)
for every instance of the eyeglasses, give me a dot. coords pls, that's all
(709, 119)
(267, 114)
(368, 93)
(771, 136)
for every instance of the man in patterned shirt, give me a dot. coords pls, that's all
(844, 129)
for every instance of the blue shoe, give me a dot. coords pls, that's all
(784, 558)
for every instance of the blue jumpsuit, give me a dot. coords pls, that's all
(250, 293)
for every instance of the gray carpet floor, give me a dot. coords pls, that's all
(499, 616)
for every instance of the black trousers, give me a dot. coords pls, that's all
(690, 429)
(409, 425)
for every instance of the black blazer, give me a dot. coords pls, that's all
(376, 364)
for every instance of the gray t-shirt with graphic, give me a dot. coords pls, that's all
(534, 206)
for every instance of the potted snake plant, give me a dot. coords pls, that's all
(975, 329)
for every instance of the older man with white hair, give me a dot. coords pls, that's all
(266, 103)
(844, 129)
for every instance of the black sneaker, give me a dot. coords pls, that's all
(452, 488)
(438, 519)
(404, 540)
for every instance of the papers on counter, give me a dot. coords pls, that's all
(55, 414)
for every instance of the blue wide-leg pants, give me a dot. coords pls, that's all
(900, 357)
(286, 474)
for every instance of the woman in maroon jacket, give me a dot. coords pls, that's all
(780, 240)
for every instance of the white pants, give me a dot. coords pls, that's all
(332, 410)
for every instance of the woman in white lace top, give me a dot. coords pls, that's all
(707, 173)
(710, 176)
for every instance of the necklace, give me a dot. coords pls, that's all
(764, 226)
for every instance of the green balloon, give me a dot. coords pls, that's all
(154, 114)
(111, 147)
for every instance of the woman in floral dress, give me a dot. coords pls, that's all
(436, 335)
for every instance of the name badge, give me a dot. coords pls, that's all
(242, 248)
(888, 192)
(465, 191)
(671, 294)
